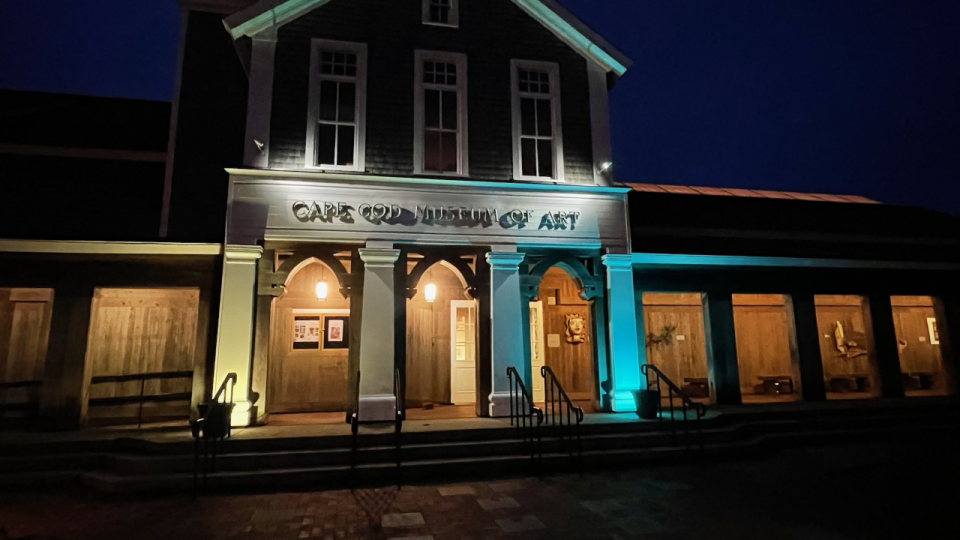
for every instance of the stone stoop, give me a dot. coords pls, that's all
(130, 465)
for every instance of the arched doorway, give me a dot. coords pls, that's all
(566, 328)
(568, 336)
(441, 340)
(309, 343)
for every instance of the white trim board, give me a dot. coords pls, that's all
(108, 248)
(267, 14)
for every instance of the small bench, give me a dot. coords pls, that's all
(918, 380)
(849, 382)
(775, 384)
(696, 387)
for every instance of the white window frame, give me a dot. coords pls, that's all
(553, 69)
(313, 108)
(463, 158)
(453, 19)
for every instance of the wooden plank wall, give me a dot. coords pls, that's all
(306, 380)
(428, 338)
(135, 331)
(848, 310)
(685, 356)
(573, 363)
(917, 353)
(765, 346)
(24, 334)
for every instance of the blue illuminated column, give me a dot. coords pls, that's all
(235, 329)
(377, 400)
(506, 326)
(624, 350)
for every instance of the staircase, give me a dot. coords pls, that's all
(135, 465)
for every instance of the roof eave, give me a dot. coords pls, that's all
(268, 14)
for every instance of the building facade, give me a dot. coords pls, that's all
(381, 204)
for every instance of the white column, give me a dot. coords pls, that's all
(377, 400)
(625, 357)
(235, 329)
(506, 326)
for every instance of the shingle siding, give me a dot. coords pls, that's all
(491, 32)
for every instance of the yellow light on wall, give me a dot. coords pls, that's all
(321, 290)
(430, 292)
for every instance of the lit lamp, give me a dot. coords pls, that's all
(321, 290)
(430, 292)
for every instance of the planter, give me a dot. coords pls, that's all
(648, 403)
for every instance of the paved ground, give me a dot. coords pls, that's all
(891, 491)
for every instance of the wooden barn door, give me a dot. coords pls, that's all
(24, 334)
(138, 331)
(765, 345)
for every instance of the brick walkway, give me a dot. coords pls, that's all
(869, 491)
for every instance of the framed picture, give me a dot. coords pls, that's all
(932, 329)
(306, 333)
(336, 332)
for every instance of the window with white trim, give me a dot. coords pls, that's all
(336, 135)
(440, 146)
(537, 133)
(441, 12)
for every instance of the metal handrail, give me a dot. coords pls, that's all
(699, 408)
(555, 397)
(198, 429)
(141, 398)
(521, 401)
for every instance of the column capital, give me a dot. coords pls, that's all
(617, 261)
(505, 260)
(379, 257)
(242, 253)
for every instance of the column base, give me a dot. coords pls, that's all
(244, 414)
(377, 408)
(620, 401)
(500, 405)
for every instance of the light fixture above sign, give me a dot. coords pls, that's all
(430, 292)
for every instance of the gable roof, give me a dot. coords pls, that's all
(267, 14)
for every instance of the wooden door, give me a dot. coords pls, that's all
(763, 336)
(136, 331)
(919, 347)
(463, 352)
(24, 334)
(537, 357)
(675, 340)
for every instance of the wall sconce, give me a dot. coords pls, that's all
(430, 292)
(605, 167)
(321, 290)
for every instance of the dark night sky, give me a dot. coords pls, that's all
(837, 96)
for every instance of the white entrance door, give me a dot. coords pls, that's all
(536, 349)
(463, 352)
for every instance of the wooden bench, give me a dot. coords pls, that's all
(775, 384)
(849, 382)
(918, 380)
(696, 387)
(140, 399)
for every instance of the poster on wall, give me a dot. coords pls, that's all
(306, 333)
(336, 332)
(932, 328)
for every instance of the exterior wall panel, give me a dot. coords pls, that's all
(490, 34)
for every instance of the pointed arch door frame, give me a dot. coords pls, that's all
(592, 288)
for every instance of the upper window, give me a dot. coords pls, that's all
(537, 133)
(337, 110)
(441, 12)
(440, 146)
